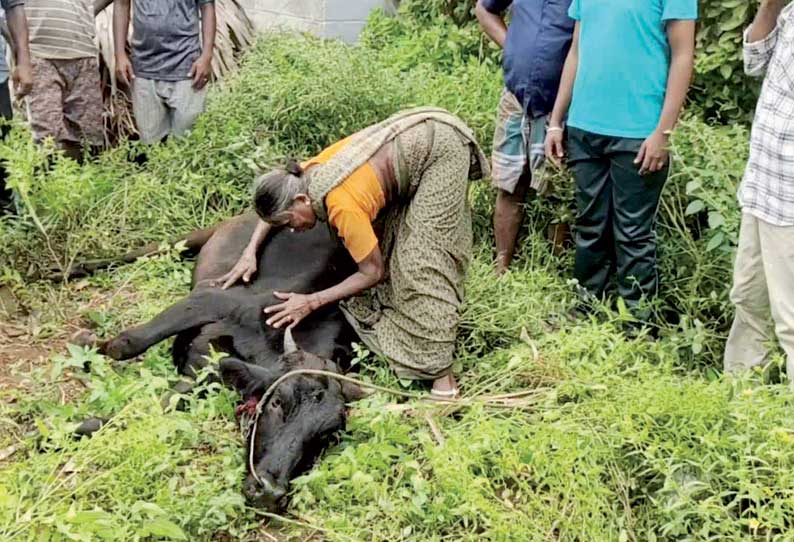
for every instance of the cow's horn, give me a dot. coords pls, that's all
(289, 342)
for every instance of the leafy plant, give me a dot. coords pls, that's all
(721, 89)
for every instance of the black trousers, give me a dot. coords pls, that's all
(7, 113)
(615, 223)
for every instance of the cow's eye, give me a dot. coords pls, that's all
(319, 396)
(276, 402)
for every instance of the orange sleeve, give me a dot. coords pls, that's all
(352, 224)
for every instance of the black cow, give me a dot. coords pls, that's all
(305, 411)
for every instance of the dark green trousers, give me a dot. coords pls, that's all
(615, 233)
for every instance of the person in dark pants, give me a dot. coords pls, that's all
(14, 30)
(625, 81)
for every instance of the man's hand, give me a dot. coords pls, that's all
(555, 146)
(653, 154)
(200, 71)
(23, 79)
(124, 72)
(492, 24)
(295, 308)
(766, 19)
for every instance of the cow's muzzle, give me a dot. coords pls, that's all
(265, 495)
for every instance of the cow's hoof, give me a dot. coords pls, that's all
(183, 387)
(173, 400)
(89, 427)
(119, 348)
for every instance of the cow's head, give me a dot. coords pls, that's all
(298, 421)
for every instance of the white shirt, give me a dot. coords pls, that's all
(767, 190)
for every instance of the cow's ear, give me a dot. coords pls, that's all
(350, 391)
(353, 392)
(250, 380)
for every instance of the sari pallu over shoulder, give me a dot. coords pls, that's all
(365, 143)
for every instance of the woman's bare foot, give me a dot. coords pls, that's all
(445, 388)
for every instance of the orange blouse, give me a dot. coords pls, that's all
(353, 205)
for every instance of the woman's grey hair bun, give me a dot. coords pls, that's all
(294, 168)
(275, 192)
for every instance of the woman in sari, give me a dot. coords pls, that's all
(407, 178)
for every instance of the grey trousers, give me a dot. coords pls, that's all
(165, 108)
(763, 283)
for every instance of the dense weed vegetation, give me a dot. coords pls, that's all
(622, 438)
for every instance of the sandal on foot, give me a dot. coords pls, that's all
(449, 395)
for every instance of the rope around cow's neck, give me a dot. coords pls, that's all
(495, 401)
(317, 372)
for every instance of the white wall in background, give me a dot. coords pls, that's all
(341, 19)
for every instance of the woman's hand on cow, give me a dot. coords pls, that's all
(295, 307)
(244, 268)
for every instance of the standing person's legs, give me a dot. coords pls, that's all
(151, 114)
(45, 102)
(186, 104)
(507, 220)
(746, 347)
(7, 113)
(510, 175)
(594, 259)
(636, 202)
(763, 279)
(777, 255)
(83, 104)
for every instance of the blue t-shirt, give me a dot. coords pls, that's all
(624, 60)
(537, 43)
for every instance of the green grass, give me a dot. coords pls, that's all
(625, 439)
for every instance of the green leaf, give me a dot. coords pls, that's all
(716, 220)
(692, 187)
(715, 241)
(151, 509)
(726, 70)
(164, 528)
(695, 207)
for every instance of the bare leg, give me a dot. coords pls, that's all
(508, 216)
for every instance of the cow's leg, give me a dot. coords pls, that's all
(182, 345)
(195, 346)
(200, 308)
(211, 337)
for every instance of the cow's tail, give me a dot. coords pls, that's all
(193, 242)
